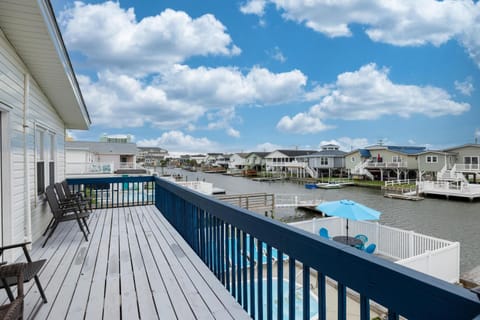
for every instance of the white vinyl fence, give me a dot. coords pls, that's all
(434, 256)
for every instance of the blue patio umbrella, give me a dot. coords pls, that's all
(349, 210)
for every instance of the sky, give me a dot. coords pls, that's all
(259, 75)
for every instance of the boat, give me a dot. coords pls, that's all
(329, 185)
(310, 186)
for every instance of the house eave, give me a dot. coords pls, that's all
(32, 30)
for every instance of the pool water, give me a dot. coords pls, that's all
(298, 300)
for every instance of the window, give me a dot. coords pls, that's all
(432, 159)
(470, 160)
(396, 159)
(45, 158)
(40, 153)
(323, 161)
(353, 159)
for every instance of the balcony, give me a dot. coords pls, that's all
(157, 247)
(386, 165)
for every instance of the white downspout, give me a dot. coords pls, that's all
(28, 209)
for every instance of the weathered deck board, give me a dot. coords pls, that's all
(135, 265)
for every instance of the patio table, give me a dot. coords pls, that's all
(351, 241)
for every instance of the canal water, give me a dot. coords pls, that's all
(445, 219)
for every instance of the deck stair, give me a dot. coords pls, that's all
(361, 169)
(451, 175)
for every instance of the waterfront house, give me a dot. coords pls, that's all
(99, 157)
(431, 162)
(329, 161)
(151, 156)
(198, 158)
(237, 161)
(467, 160)
(288, 162)
(39, 99)
(256, 161)
(382, 162)
(211, 158)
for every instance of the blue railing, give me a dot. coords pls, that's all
(240, 246)
(115, 192)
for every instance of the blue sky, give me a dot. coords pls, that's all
(254, 75)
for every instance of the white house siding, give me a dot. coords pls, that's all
(12, 77)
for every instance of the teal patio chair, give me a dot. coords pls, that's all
(371, 248)
(362, 238)
(324, 233)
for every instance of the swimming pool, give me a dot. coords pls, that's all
(298, 300)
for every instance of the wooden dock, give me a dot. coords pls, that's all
(256, 202)
(403, 196)
(134, 266)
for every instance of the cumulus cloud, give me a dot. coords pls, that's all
(112, 37)
(229, 86)
(302, 123)
(399, 22)
(368, 94)
(182, 95)
(464, 87)
(177, 141)
(253, 7)
(346, 143)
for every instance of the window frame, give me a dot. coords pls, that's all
(46, 153)
(431, 159)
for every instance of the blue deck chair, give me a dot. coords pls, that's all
(371, 248)
(254, 255)
(324, 233)
(362, 238)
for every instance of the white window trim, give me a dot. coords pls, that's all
(471, 158)
(41, 127)
(433, 159)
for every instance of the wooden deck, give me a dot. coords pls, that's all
(134, 266)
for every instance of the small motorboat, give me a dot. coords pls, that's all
(329, 185)
(310, 186)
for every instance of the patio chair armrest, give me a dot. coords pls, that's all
(16, 245)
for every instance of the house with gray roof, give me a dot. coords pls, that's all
(384, 162)
(328, 162)
(289, 162)
(256, 161)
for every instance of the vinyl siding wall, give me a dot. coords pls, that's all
(40, 111)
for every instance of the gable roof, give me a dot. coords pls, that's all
(295, 153)
(407, 149)
(467, 145)
(259, 154)
(325, 153)
(31, 28)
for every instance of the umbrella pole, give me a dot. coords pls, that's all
(347, 231)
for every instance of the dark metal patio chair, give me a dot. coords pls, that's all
(78, 195)
(31, 269)
(67, 199)
(63, 212)
(14, 309)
